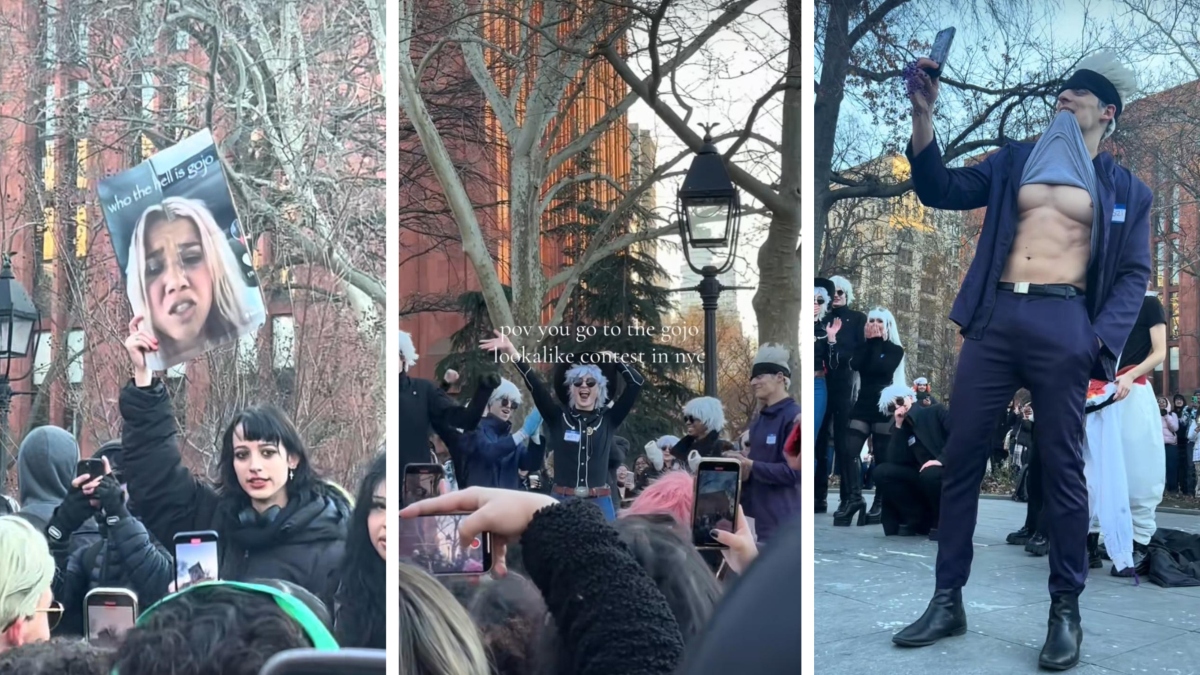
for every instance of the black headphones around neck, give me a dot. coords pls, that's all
(249, 517)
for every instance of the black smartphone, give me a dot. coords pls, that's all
(314, 662)
(195, 558)
(421, 482)
(718, 491)
(109, 612)
(89, 467)
(432, 543)
(940, 51)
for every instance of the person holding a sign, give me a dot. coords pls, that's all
(274, 516)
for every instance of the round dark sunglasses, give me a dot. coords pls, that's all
(584, 383)
(509, 403)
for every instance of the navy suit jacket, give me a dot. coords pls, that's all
(1120, 262)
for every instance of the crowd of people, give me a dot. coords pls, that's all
(1056, 307)
(301, 563)
(594, 567)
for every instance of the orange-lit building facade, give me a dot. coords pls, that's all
(447, 270)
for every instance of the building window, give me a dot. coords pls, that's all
(49, 220)
(182, 86)
(81, 232)
(247, 354)
(51, 110)
(73, 412)
(928, 284)
(76, 343)
(43, 358)
(50, 32)
(928, 310)
(1175, 263)
(905, 256)
(147, 94)
(1173, 360)
(903, 280)
(1161, 267)
(182, 40)
(82, 35)
(903, 303)
(283, 328)
(1174, 223)
(1173, 319)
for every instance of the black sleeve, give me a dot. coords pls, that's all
(611, 617)
(169, 498)
(880, 357)
(1152, 313)
(149, 567)
(681, 449)
(633, 386)
(445, 412)
(896, 442)
(543, 400)
(70, 586)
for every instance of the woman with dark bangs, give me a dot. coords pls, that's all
(275, 517)
(358, 591)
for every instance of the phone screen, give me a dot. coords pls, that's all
(195, 560)
(432, 543)
(90, 467)
(716, 502)
(421, 482)
(941, 48)
(108, 617)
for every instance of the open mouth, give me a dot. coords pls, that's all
(183, 309)
(257, 483)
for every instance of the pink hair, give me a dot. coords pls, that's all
(673, 493)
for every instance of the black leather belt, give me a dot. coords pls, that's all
(1056, 290)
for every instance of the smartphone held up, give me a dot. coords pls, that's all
(196, 558)
(718, 491)
(109, 613)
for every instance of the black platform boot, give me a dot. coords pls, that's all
(1093, 549)
(1064, 635)
(821, 506)
(944, 617)
(853, 504)
(875, 513)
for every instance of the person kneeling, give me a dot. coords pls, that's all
(910, 481)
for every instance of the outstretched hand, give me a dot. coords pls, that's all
(140, 343)
(499, 344)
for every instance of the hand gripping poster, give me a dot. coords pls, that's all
(178, 240)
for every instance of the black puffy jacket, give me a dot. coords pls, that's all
(125, 557)
(303, 544)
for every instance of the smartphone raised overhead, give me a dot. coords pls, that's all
(433, 544)
(196, 558)
(89, 467)
(940, 51)
(718, 491)
(109, 613)
(421, 482)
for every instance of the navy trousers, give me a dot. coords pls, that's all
(1047, 345)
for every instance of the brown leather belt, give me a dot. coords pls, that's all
(581, 492)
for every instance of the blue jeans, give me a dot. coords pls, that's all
(820, 397)
(605, 504)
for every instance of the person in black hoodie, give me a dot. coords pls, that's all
(45, 468)
(703, 422)
(426, 407)
(126, 556)
(275, 518)
(359, 591)
(910, 480)
(580, 434)
(878, 362)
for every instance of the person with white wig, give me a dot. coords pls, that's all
(579, 436)
(425, 407)
(703, 422)
(839, 385)
(770, 486)
(879, 366)
(1052, 293)
(494, 454)
(28, 611)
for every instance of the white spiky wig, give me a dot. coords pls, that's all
(506, 390)
(773, 358)
(407, 349)
(667, 442)
(900, 376)
(819, 292)
(708, 410)
(894, 391)
(843, 284)
(583, 370)
(1122, 77)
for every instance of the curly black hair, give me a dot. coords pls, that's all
(214, 630)
(360, 614)
(60, 656)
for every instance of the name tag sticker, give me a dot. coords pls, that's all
(771, 439)
(1118, 213)
(571, 436)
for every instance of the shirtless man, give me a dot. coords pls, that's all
(1056, 284)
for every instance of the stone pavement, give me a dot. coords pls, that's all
(869, 586)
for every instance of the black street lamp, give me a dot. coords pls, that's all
(710, 214)
(18, 319)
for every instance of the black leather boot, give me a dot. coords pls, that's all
(821, 506)
(853, 503)
(1020, 537)
(844, 515)
(1064, 635)
(1093, 549)
(875, 513)
(944, 617)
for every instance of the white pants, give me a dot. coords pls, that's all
(1133, 428)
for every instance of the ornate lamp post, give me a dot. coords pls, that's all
(18, 319)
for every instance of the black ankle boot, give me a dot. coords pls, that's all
(1038, 545)
(1064, 635)
(821, 506)
(847, 510)
(944, 617)
(1093, 549)
(875, 513)
(1020, 537)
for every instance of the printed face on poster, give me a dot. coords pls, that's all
(177, 237)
